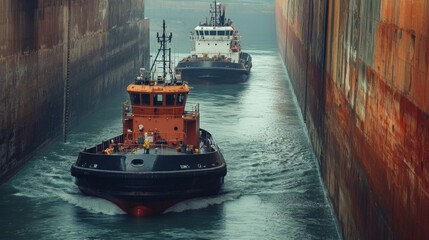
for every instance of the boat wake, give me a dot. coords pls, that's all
(92, 204)
(200, 203)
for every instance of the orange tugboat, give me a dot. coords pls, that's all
(162, 157)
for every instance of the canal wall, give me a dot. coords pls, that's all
(359, 69)
(58, 60)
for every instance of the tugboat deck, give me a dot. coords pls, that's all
(161, 150)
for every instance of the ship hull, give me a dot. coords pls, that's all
(151, 193)
(361, 80)
(157, 183)
(211, 71)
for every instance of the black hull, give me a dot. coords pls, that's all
(210, 71)
(151, 188)
(153, 192)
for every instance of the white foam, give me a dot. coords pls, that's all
(199, 203)
(92, 204)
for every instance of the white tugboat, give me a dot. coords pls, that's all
(216, 56)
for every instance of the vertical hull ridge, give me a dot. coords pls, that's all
(216, 56)
(360, 73)
(163, 156)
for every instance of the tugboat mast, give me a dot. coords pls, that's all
(214, 19)
(217, 15)
(163, 40)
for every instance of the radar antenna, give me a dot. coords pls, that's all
(163, 40)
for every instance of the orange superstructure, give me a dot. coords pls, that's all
(157, 112)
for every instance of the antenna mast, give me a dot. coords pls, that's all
(215, 18)
(163, 40)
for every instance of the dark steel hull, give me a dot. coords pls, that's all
(162, 181)
(359, 70)
(211, 71)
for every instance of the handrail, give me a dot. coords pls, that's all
(211, 38)
(205, 138)
(202, 59)
(178, 112)
(169, 137)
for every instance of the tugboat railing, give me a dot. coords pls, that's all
(105, 144)
(211, 38)
(173, 112)
(194, 111)
(173, 138)
(226, 58)
(205, 139)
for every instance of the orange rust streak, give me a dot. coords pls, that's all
(401, 69)
(402, 49)
(376, 149)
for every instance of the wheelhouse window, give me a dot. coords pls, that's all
(180, 99)
(206, 33)
(201, 33)
(135, 97)
(157, 99)
(170, 99)
(213, 33)
(221, 33)
(146, 99)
